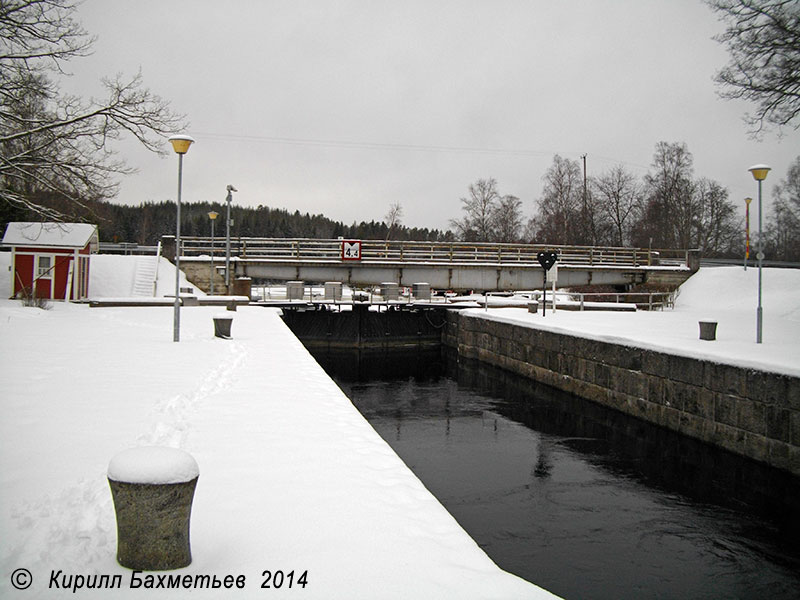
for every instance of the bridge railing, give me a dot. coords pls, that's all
(433, 252)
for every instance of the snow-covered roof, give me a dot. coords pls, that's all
(60, 235)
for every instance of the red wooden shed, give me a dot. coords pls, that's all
(51, 260)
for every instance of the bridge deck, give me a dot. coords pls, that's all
(444, 265)
(437, 252)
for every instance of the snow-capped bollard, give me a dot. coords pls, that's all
(222, 326)
(708, 330)
(153, 488)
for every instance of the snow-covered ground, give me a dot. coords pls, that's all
(292, 478)
(727, 295)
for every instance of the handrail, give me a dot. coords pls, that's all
(310, 249)
(651, 300)
(155, 272)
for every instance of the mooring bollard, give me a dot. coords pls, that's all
(222, 326)
(708, 330)
(533, 307)
(153, 488)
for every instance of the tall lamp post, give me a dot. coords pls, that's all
(213, 216)
(180, 143)
(759, 174)
(747, 202)
(228, 224)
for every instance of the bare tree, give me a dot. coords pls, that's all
(681, 212)
(39, 35)
(763, 40)
(617, 194)
(783, 226)
(479, 207)
(715, 227)
(507, 220)
(56, 144)
(560, 208)
(666, 217)
(393, 218)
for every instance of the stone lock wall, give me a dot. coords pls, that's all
(752, 413)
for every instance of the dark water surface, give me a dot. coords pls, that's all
(581, 500)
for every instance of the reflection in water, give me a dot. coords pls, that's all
(582, 500)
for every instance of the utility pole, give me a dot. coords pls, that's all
(585, 204)
(228, 223)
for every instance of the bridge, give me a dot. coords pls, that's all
(454, 266)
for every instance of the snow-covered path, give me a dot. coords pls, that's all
(292, 478)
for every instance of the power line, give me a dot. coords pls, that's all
(368, 145)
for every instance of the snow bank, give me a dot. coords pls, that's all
(294, 478)
(112, 276)
(726, 289)
(727, 295)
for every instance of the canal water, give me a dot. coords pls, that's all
(581, 500)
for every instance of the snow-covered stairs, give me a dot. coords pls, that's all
(145, 276)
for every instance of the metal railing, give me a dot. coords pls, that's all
(642, 300)
(128, 248)
(304, 249)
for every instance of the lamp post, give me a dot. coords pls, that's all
(180, 143)
(213, 216)
(228, 224)
(759, 174)
(747, 202)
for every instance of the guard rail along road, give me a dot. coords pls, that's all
(454, 266)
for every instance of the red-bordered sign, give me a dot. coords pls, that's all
(351, 249)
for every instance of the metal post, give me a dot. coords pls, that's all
(760, 256)
(544, 297)
(212, 256)
(176, 321)
(228, 199)
(747, 202)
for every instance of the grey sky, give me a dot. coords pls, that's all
(344, 107)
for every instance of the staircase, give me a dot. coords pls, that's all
(144, 281)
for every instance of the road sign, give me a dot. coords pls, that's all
(351, 249)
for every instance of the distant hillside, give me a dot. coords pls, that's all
(146, 223)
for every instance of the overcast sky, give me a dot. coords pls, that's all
(345, 107)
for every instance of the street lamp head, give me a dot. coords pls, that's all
(759, 172)
(748, 201)
(181, 143)
(230, 188)
(213, 215)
